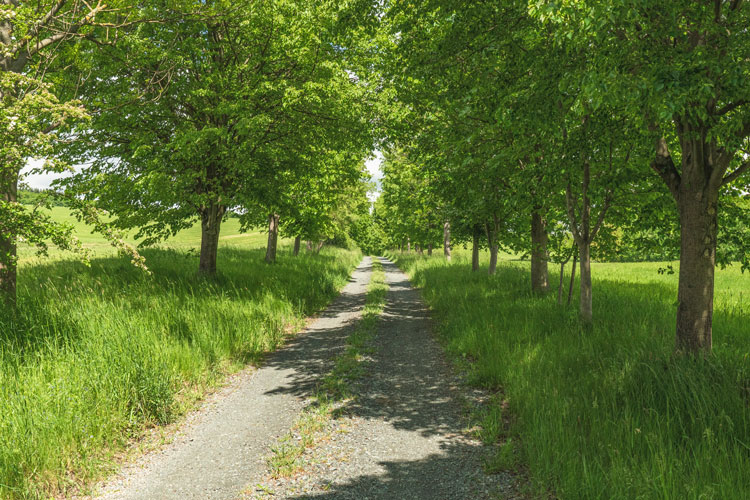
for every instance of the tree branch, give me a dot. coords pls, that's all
(570, 204)
(663, 165)
(745, 167)
(600, 219)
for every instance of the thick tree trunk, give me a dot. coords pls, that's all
(273, 238)
(429, 249)
(539, 272)
(584, 255)
(8, 244)
(475, 249)
(211, 216)
(447, 241)
(297, 243)
(698, 230)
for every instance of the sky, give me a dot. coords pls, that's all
(374, 167)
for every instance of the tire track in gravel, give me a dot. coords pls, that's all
(403, 436)
(222, 446)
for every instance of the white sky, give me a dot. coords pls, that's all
(374, 167)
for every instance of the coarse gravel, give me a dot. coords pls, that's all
(223, 446)
(404, 435)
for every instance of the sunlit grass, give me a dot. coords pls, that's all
(96, 354)
(608, 412)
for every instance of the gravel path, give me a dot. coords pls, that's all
(223, 446)
(403, 436)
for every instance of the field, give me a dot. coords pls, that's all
(230, 233)
(96, 355)
(607, 412)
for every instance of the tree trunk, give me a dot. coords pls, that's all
(8, 244)
(408, 244)
(492, 230)
(319, 246)
(211, 216)
(447, 241)
(429, 249)
(560, 286)
(309, 245)
(572, 278)
(539, 273)
(273, 238)
(475, 249)
(297, 243)
(697, 202)
(584, 253)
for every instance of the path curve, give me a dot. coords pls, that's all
(223, 446)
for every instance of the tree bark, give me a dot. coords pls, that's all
(584, 255)
(273, 238)
(447, 241)
(211, 216)
(492, 230)
(572, 279)
(475, 249)
(297, 243)
(560, 286)
(539, 271)
(8, 244)
(429, 249)
(309, 245)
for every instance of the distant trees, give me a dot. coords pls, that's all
(555, 113)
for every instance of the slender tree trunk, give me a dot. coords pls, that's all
(429, 249)
(309, 245)
(8, 244)
(539, 272)
(319, 246)
(584, 253)
(560, 286)
(572, 278)
(297, 243)
(408, 244)
(475, 249)
(273, 238)
(492, 230)
(211, 217)
(447, 241)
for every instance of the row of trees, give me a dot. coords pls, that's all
(587, 126)
(183, 110)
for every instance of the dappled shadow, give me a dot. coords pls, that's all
(311, 353)
(425, 478)
(409, 388)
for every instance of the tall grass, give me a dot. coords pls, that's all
(94, 355)
(607, 412)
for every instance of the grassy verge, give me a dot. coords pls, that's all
(607, 412)
(96, 355)
(336, 387)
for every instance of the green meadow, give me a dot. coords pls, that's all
(97, 354)
(607, 412)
